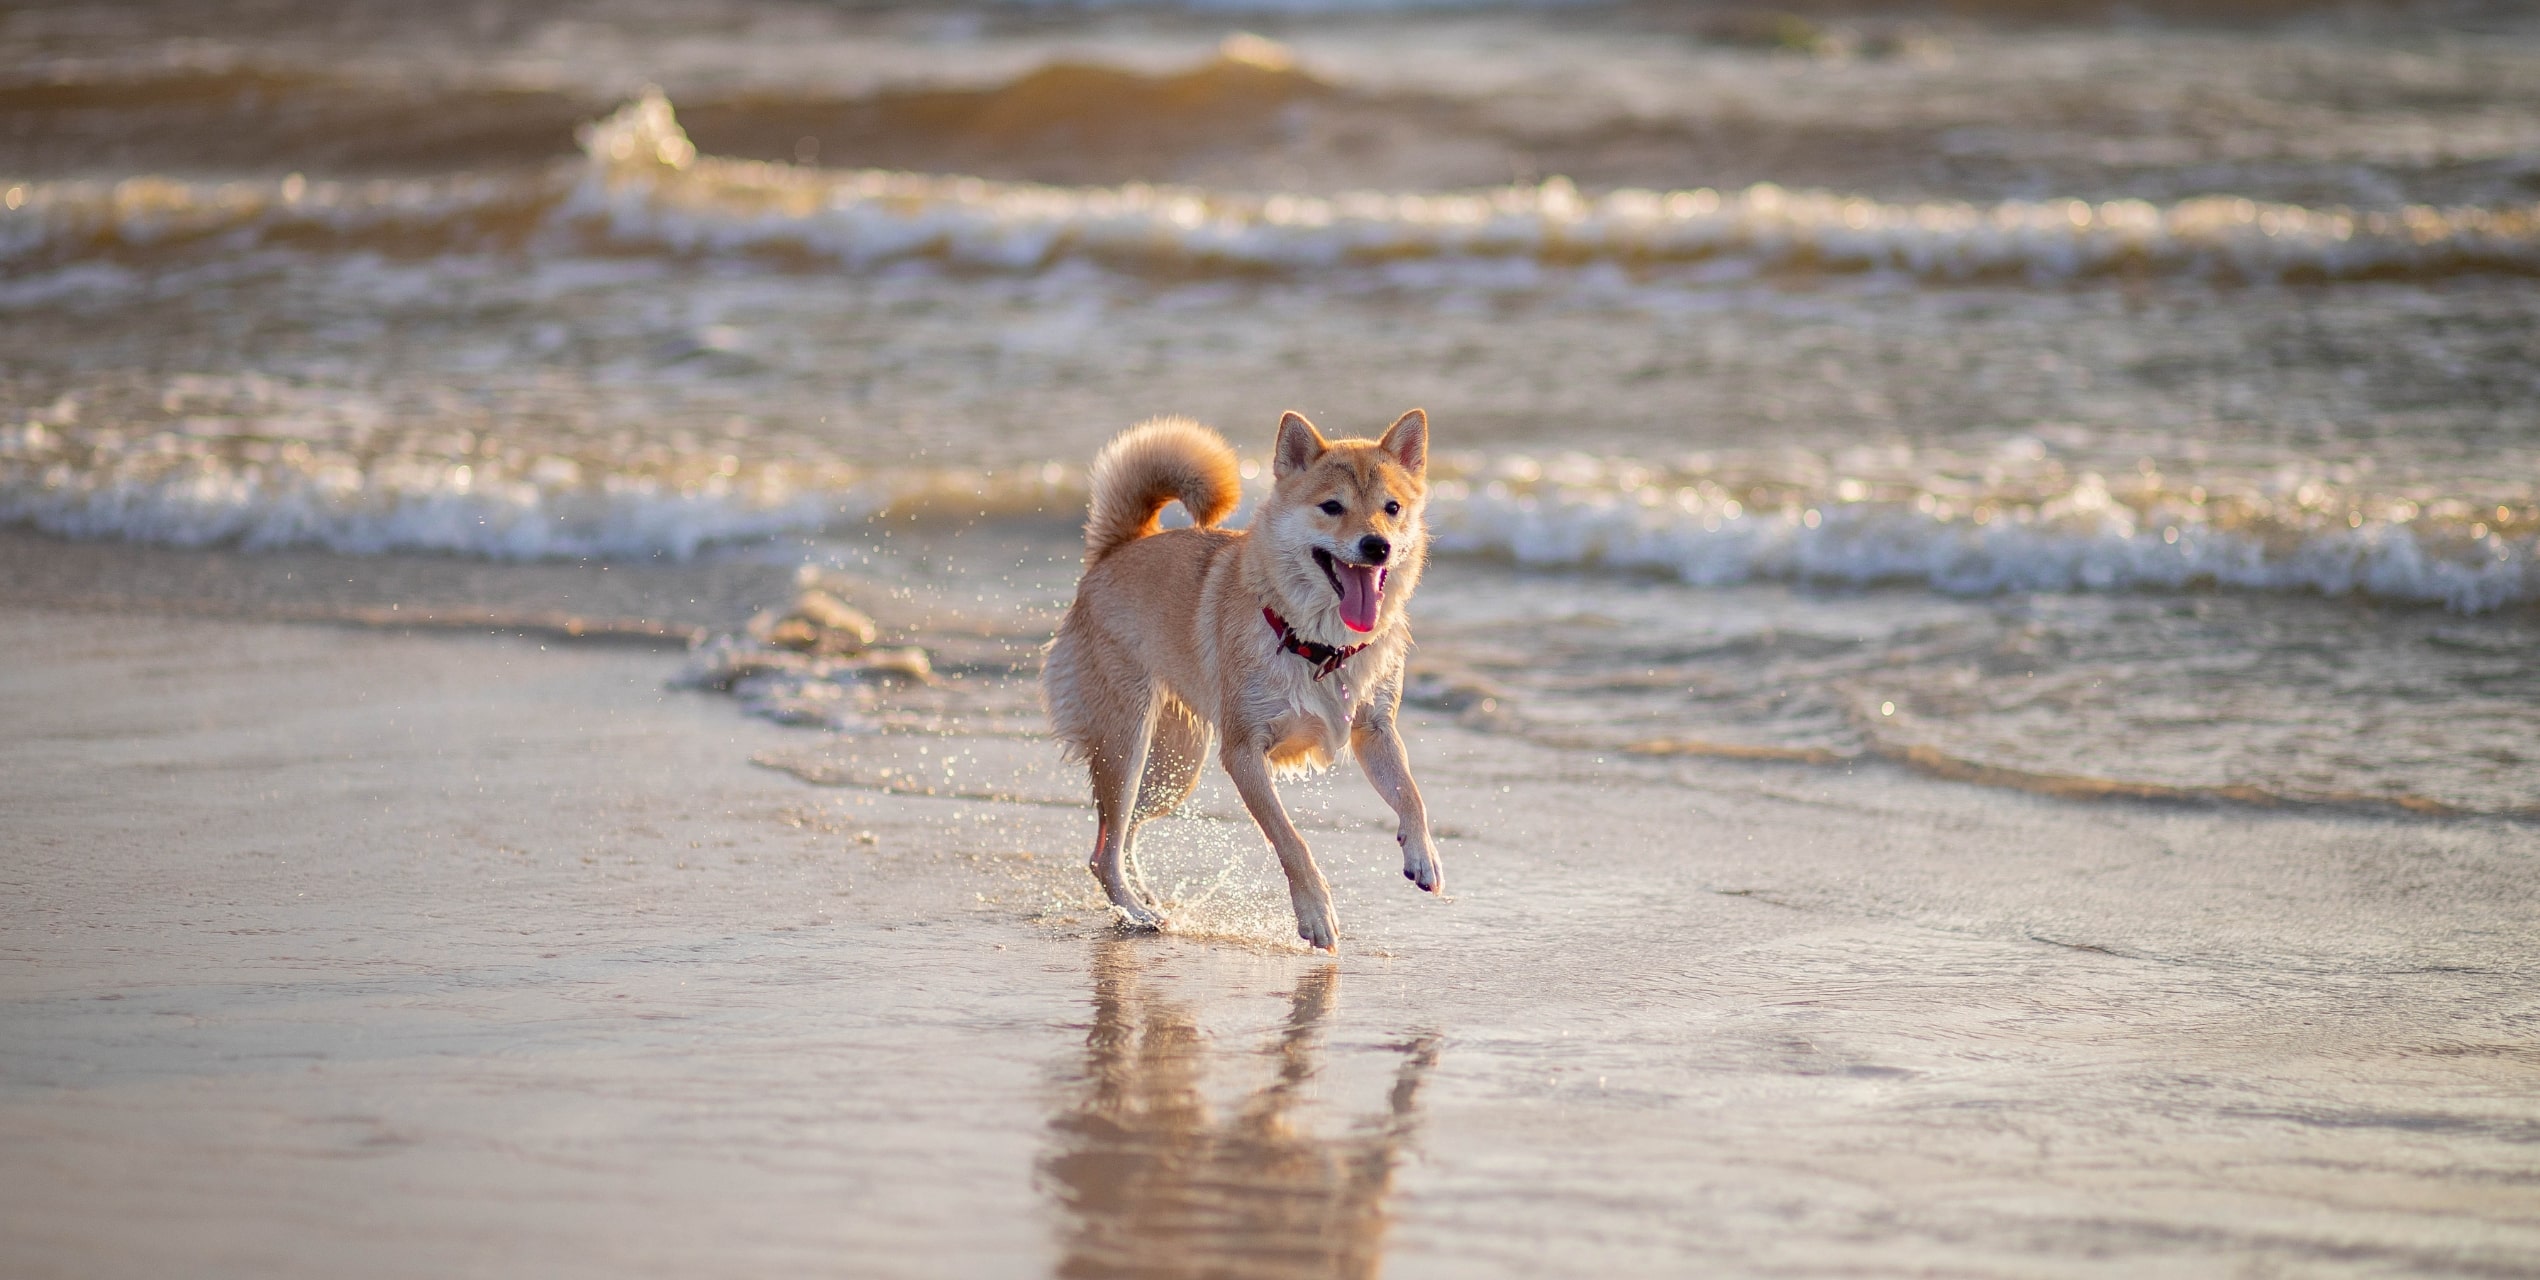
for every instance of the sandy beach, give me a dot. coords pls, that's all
(341, 950)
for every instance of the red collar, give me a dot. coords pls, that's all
(1325, 658)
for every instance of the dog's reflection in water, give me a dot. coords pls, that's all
(1159, 1183)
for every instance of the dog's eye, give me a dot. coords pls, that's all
(1332, 508)
(1393, 508)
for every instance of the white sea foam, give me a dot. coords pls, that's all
(2075, 535)
(2082, 539)
(644, 187)
(263, 463)
(648, 184)
(171, 487)
(71, 219)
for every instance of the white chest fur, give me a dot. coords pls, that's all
(1309, 720)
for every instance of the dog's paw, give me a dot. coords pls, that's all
(1420, 864)
(1318, 924)
(1136, 917)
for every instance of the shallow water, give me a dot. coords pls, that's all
(2090, 464)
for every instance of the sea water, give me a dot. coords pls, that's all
(2135, 410)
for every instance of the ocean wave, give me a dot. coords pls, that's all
(649, 185)
(643, 187)
(1062, 115)
(296, 467)
(200, 485)
(71, 220)
(183, 489)
(2470, 557)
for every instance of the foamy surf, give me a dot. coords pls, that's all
(75, 219)
(2082, 538)
(643, 187)
(649, 185)
(2047, 533)
(261, 493)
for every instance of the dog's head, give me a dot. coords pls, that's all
(1344, 522)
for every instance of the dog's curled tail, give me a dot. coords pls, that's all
(1158, 461)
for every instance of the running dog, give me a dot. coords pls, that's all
(1282, 642)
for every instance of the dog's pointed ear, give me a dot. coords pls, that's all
(1408, 441)
(1299, 445)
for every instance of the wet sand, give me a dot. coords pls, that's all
(340, 951)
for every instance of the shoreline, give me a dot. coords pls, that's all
(921, 591)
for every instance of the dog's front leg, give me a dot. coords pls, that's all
(1316, 922)
(1379, 750)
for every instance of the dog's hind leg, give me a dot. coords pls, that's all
(1175, 753)
(1117, 763)
(1176, 748)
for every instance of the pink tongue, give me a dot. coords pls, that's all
(1362, 587)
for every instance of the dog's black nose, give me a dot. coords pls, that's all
(1373, 549)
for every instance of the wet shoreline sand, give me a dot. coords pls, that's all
(352, 950)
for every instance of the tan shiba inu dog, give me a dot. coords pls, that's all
(1283, 641)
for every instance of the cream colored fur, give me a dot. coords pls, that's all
(1165, 652)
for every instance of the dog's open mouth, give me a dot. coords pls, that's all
(1361, 588)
